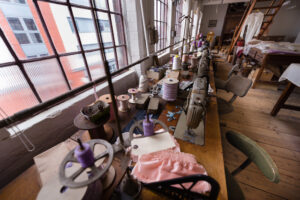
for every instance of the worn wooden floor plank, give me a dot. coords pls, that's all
(279, 136)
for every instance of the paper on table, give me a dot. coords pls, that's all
(152, 144)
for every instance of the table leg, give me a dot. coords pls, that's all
(282, 99)
(261, 69)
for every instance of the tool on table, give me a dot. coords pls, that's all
(185, 185)
(93, 118)
(133, 92)
(193, 117)
(171, 115)
(123, 101)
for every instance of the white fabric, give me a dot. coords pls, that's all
(292, 73)
(254, 22)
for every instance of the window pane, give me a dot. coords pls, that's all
(15, 24)
(5, 55)
(75, 70)
(30, 24)
(89, 38)
(56, 18)
(114, 5)
(122, 59)
(15, 93)
(81, 2)
(36, 38)
(22, 38)
(118, 29)
(101, 4)
(105, 28)
(47, 78)
(95, 63)
(110, 57)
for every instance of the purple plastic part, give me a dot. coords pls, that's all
(84, 157)
(148, 127)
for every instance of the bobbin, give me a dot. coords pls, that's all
(107, 98)
(133, 92)
(123, 100)
(170, 87)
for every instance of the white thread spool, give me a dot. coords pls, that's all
(170, 88)
(123, 100)
(133, 93)
(143, 84)
(186, 49)
(176, 63)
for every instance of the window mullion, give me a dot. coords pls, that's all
(79, 40)
(20, 65)
(51, 42)
(121, 11)
(112, 35)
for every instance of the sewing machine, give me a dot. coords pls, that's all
(190, 126)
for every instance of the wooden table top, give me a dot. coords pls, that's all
(210, 156)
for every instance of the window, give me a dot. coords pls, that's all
(36, 38)
(30, 24)
(178, 16)
(15, 24)
(160, 22)
(39, 74)
(22, 38)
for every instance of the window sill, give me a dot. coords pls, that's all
(58, 109)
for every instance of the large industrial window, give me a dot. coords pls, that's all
(160, 22)
(51, 47)
(178, 16)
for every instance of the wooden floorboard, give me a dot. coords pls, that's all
(279, 136)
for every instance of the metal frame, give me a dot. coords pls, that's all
(162, 24)
(20, 62)
(178, 14)
(22, 115)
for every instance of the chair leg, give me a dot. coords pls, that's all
(232, 99)
(245, 164)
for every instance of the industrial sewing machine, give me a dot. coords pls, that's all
(190, 126)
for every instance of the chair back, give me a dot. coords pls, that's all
(255, 153)
(238, 85)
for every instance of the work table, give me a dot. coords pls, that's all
(27, 185)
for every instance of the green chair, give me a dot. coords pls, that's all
(254, 154)
(237, 85)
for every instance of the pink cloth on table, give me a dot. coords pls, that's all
(169, 164)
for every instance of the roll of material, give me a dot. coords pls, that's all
(176, 63)
(185, 58)
(143, 84)
(86, 156)
(148, 127)
(170, 89)
(123, 101)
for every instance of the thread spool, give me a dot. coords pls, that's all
(185, 58)
(123, 100)
(194, 61)
(143, 84)
(148, 126)
(84, 154)
(170, 88)
(133, 93)
(176, 63)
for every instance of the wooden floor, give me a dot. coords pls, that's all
(279, 136)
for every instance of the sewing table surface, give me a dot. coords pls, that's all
(27, 185)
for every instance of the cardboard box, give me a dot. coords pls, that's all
(156, 75)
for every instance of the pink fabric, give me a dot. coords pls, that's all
(169, 164)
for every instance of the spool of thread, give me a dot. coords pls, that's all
(123, 100)
(170, 88)
(107, 98)
(148, 126)
(176, 63)
(143, 84)
(194, 61)
(84, 154)
(133, 93)
(185, 58)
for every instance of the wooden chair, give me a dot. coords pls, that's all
(236, 84)
(254, 154)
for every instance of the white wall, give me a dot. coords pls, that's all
(287, 22)
(213, 12)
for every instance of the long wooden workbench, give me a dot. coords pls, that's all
(27, 185)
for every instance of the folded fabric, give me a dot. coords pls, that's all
(169, 164)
